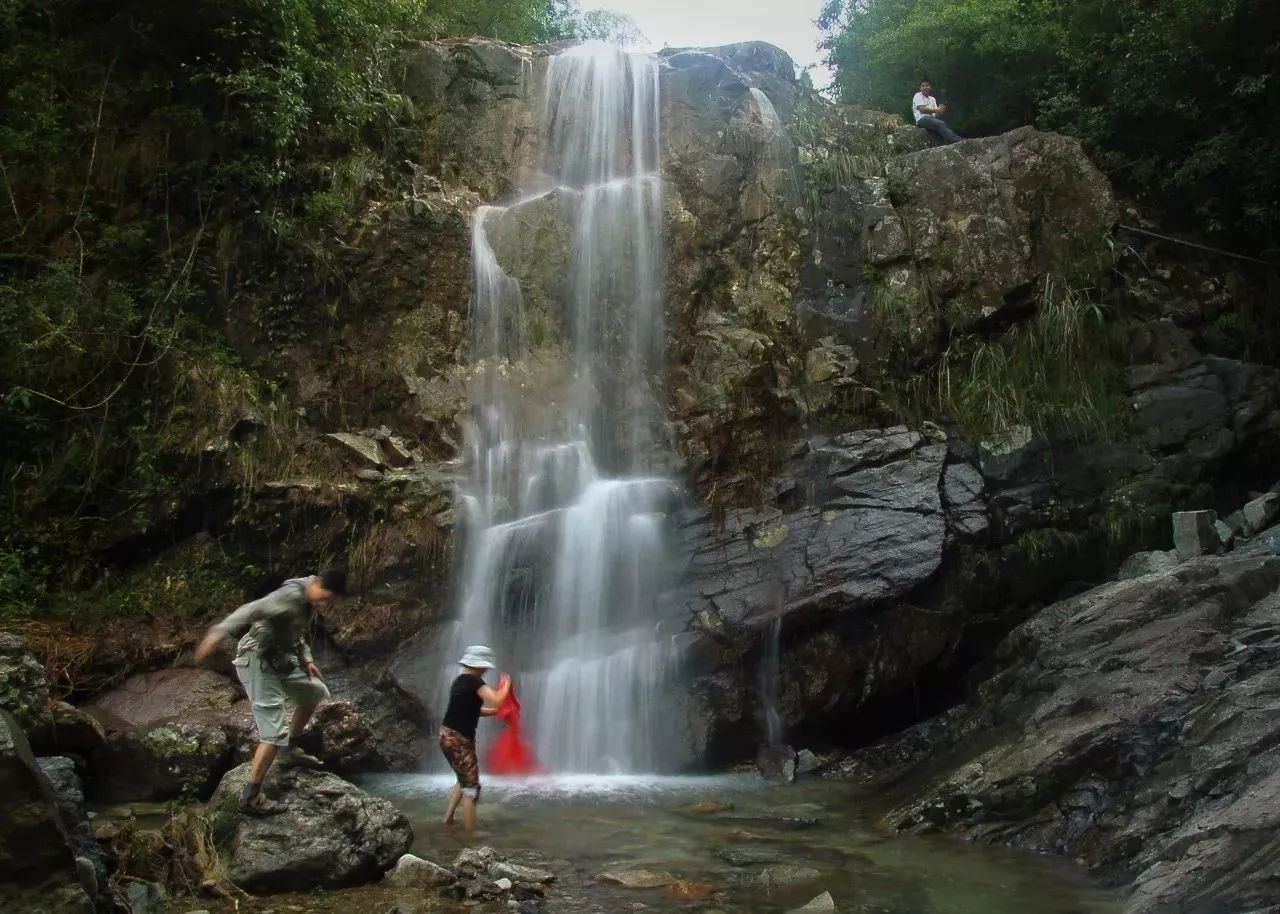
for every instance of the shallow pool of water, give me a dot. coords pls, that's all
(737, 845)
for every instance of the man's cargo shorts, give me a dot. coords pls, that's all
(268, 689)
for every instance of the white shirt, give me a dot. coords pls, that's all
(921, 99)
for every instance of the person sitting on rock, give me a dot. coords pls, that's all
(274, 662)
(926, 109)
(469, 700)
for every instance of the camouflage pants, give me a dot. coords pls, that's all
(461, 754)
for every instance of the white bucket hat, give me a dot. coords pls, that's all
(478, 657)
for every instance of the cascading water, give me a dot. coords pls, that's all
(781, 152)
(770, 672)
(565, 518)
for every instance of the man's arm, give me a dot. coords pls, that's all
(238, 622)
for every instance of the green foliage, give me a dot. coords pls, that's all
(1170, 96)
(1060, 372)
(169, 171)
(1057, 372)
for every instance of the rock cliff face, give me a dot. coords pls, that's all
(1131, 728)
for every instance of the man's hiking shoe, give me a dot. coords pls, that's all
(259, 805)
(293, 757)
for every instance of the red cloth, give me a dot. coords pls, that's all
(511, 753)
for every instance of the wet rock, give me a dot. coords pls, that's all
(37, 866)
(704, 807)
(149, 698)
(823, 904)
(749, 856)
(68, 791)
(75, 730)
(777, 820)
(396, 451)
(639, 879)
(1260, 512)
(181, 759)
(806, 762)
(687, 890)
(1193, 533)
(504, 884)
(1113, 710)
(777, 763)
(361, 451)
(1142, 563)
(147, 898)
(782, 875)
(1224, 534)
(414, 872)
(963, 498)
(339, 737)
(331, 833)
(473, 861)
(501, 869)
(24, 690)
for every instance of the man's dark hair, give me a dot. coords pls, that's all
(335, 581)
(925, 79)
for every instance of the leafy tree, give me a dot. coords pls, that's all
(155, 155)
(1171, 96)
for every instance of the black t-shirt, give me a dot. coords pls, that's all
(464, 705)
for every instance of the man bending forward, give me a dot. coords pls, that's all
(274, 663)
(926, 110)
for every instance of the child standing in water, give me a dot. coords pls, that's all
(469, 700)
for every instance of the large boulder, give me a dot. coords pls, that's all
(331, 833)
(818, 579)
(149, 698)
(37, 867)
(1131, 728)
(176, 759)
(992, 216)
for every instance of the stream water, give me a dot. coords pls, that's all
(718, 836)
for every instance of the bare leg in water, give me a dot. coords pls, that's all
(455, 797)
(469, 814)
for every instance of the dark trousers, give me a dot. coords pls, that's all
(940, 127)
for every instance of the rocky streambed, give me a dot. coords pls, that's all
(725, 843)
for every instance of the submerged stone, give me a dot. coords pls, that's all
(823, 904)
(639, 879)
(415, 872)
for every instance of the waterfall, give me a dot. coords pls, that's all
(780, 152)
(770, 673)
(565, 520)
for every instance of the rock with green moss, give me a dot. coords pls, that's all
(330, 834)
(178, 759)
(989, 217)
(24, 689)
